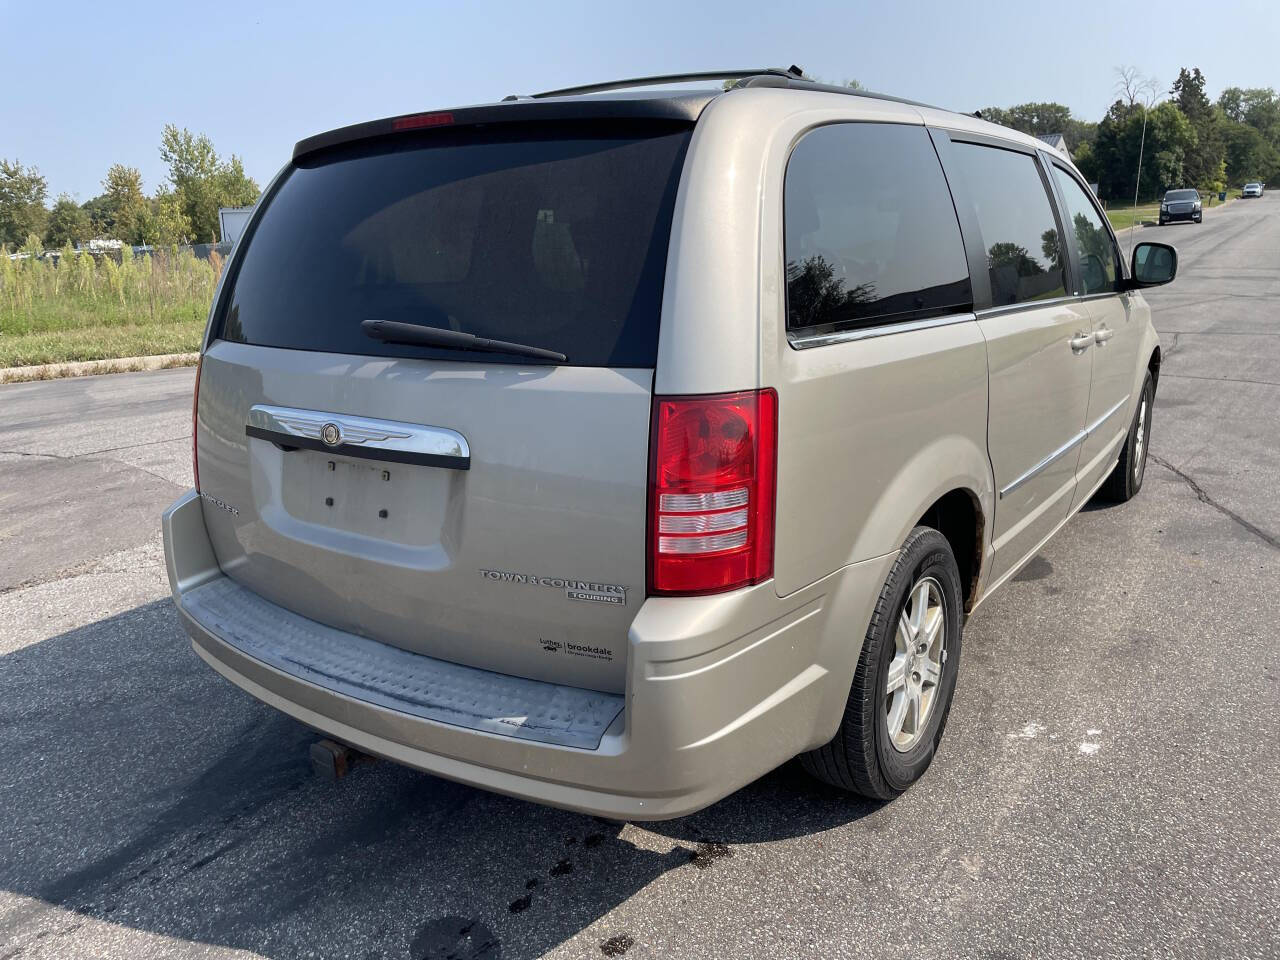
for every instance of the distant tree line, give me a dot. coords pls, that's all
(1190, 141)
(183, 210)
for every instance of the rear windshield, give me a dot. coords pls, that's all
(554, 237)
(1181, 195)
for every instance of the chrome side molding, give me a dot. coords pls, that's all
(364, 437)
(1063, 450)
(806, 341)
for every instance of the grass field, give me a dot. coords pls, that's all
(85, 308)
(1122, 217)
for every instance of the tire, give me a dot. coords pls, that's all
(1126, 479)
(864, 756)
(1163, 222)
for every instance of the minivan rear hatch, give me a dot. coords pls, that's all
(486, 508)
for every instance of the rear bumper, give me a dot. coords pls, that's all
(719, 691)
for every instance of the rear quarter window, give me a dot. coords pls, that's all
(871, 235)
(554, 236)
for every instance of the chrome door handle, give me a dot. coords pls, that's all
(1103, 335)
(1080, 341)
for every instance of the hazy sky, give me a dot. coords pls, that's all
(89, 84)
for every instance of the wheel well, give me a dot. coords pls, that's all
(958, 517)
(1154, 366)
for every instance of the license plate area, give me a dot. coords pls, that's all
(397, 503)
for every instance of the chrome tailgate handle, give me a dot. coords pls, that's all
(393, 441)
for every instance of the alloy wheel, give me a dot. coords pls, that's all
(1140, 441)
(915, 672)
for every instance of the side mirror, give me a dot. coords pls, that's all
(1153, 264)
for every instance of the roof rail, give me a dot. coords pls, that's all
(790, 73)
(792, 77)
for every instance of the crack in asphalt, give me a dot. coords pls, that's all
(95, 456)
(1269, 539)
(92, 453)
(26, 453)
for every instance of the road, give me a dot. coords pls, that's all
(1107, 787)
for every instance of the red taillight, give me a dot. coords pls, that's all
(711, 491)
(419, 120)
(195, 410)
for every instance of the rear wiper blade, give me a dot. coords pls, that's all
(392, 331)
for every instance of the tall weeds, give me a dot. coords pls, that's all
(85, 306)
(81, 289)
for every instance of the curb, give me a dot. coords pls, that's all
(89, 368)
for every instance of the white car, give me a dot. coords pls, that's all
(1251, 190)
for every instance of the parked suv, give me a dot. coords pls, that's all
(610, 450)
(1181, 205)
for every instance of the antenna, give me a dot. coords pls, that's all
(1142, 144)
(1151, 87)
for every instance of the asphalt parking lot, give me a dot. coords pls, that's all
(1109, 785)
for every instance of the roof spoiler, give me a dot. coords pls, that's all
(684, 109)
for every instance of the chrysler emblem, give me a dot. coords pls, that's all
(331, 434)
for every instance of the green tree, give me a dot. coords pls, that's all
(123, 204)
(96, 209)
(68, 223)
(235, 188)
(1114, 156)
(166, 224)
(1250, 120)
(1249, 156)
(22, 196)
(1086, 161)
(1170, 137)
(202, 181)
(1042, 119)
(1231, 103)
(1261, 110)
(1203, 160)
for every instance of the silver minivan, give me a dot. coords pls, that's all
(611, 447)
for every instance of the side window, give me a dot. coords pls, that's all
(871, 232)
(1099, 258)
(1024, 253)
